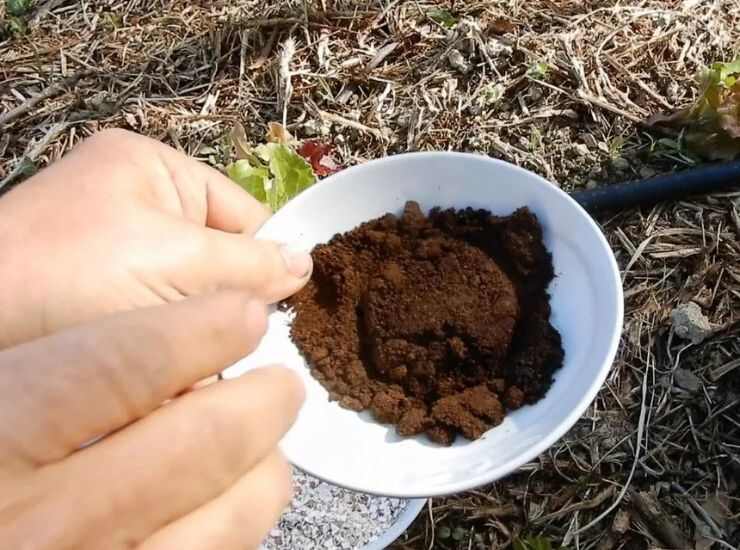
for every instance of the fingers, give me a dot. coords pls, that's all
(228, 207)
(231, 208)
(181, 456)
(265, 269)
(58, 392)
(201, 193)
(239, 519)
(229, 214)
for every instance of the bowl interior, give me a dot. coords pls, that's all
(354, 451)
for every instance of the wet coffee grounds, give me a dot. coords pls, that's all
(436, 324)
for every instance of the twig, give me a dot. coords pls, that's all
(666, 530)
(51, 91)
(263, 55)
(595, 502)
(413, 126)
(647, 89)
(607, 106)
(336, 119)
(285, 87)
(705, 516)
(543, 114)
(718, 372)
(638, 446)
(736, 219)
(431, 521)
(45, 8)
(503, 511)
(273, 22)
(32, 153)
(383, 52)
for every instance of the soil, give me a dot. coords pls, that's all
(436, 324)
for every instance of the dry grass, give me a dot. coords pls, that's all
(558, 86)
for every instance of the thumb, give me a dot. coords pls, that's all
(267, 270)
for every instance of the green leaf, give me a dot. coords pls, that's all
(538, 70)
(113, 20)
(726, 70)
(490, 94)
(274, 172)
(255, 180)
(16, 25)
(534, 543)
(18, 7)
(443, 17)
(291, 173)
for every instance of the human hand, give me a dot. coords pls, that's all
(200, 472)
(123, 222)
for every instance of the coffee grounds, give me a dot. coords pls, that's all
(435, 324)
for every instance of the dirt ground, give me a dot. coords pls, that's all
(561, 87)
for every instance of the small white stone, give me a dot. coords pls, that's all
(457, 61)
(581, 149)
(690, 323)
(647, 172)
(621, 164)
(687, 380)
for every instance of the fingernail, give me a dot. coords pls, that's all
(298, 261)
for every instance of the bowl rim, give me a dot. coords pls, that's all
(572, 417)
(413, 508)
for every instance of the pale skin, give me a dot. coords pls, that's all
(131, 275)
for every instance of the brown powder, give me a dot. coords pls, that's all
(436, 324)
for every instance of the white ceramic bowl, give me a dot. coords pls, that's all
(354, 451)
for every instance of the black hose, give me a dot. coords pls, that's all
(706, 179)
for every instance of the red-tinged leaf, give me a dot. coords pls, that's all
(319, 157)
(500, 25)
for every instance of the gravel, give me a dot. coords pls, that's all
(323, 516)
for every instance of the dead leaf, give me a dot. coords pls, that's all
(621, 523)
(277, 133)
(240, 142)
(718, 507)
(729, 112)
(668, 119)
